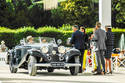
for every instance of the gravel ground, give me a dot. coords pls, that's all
(59, 76)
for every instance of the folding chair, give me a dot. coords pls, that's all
(115, 61)
(121, 62)
(2, 58)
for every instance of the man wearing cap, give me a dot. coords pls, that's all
(30, 40)
(100, 37)
(109, 46)
(78, 40)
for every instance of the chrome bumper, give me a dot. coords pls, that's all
(50, 65)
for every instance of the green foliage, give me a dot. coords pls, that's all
(66, 27)
(12, 37)
(24, 32)
(118, 13)
(20, 13)
(81, 12)
(8, 36)
(57, 17)
(49, 32)
(8, 1)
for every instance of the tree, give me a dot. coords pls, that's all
(57, 17)
(6, 13)
(80, 12)
(13, 13)
(38, 17)
(19, 13)
(118, 13)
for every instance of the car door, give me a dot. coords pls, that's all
(18, 55)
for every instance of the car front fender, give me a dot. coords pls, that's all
(72, 53)
(37, 53)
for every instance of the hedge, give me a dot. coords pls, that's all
(12, 37)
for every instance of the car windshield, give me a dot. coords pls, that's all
(36, 40)
(47, 40)
(32, 40)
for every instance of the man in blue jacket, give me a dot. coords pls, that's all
(78, 40)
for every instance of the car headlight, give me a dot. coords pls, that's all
(61, 49)
(44, 49)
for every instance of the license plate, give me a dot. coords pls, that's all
(57, 64)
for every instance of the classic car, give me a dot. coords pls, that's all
(43, 55)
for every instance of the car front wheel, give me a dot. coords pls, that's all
(32, 69)
(7, 59)
(11, 66)
(75, 70)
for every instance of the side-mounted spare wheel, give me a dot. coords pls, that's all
(32, 69)
(75, 70)
(12, 67)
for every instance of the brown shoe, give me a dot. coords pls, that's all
(94, 70)
(84, 69)
(102, 73)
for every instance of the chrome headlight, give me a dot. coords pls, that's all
(44, 49)
(61, 49)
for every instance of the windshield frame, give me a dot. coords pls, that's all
(40, 40)
(52, 40)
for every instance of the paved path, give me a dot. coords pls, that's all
(59, 76)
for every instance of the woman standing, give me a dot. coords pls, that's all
(82, 29)
(109, 46)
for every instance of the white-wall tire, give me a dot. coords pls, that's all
(75, 70)
(32, 69)
(11, 66)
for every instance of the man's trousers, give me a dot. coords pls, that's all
(100, 60)
(81, 58)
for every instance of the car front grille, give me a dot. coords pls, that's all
(55, 58)
(56, 49)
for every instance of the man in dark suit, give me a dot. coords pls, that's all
(100, 37)
(78, 40)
